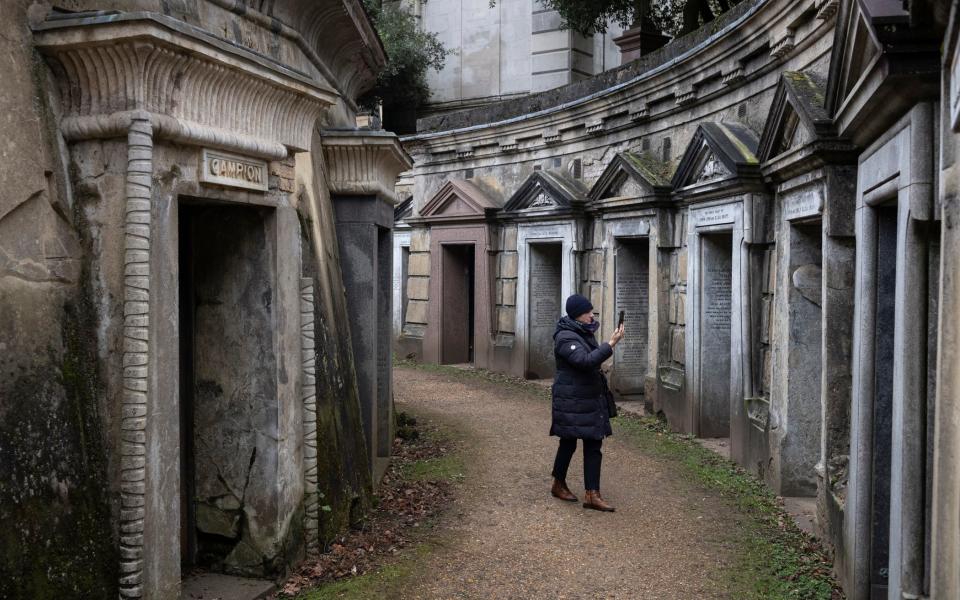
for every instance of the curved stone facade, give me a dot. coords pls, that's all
(765, 201)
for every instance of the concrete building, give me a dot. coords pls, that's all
(506, 49)
(771, 201)
(187, 207)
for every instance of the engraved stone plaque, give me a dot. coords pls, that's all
(714, 215)
(544, 307)
(233, 170)
(632, 288)
(802, 204)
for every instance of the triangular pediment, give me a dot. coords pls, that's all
(458, 199)
(632, 175)
(855, 51)
(546, 190)
(797, 116)
(718, 152)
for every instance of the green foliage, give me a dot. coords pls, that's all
(411, 53)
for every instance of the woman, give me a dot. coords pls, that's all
(580, 399)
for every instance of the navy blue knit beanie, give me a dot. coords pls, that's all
(578, 305)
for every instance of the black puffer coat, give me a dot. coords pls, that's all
(579, 389)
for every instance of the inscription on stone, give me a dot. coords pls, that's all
(715, 215)
(808, 203)
(544, 307)
(223, 168)
(632, 297)
(716, 309)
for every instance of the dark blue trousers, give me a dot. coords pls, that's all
(592, 457)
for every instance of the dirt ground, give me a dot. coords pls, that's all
(508, 538)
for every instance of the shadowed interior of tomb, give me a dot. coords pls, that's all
(882, 418)
(545, 277)
(715, 321)
(228, 387)
(459, 284)
(632, 297)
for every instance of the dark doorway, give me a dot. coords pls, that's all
(886, 278)
(543, 308)
(716, 277)
(458, 309)
(631, 295)
(228, 393)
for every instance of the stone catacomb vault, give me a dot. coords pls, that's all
(772, 198)
(205, 192)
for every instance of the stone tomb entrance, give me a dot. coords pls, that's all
(714, 320)
(632, 296)
(546, 306)
(228, 391)
(459, 291)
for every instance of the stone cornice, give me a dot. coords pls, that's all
(189, 82)
(361, 162)
(724, 52)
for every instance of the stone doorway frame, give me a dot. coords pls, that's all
(562, 232)
(896, 170)
(727, 218)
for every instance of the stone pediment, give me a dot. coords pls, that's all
(547, 190)
(797, 116)
(632, 175)
(885, 58)
(458, 199)
(718, 152)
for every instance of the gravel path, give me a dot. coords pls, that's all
(509, 538)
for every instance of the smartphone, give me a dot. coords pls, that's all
(620, 322)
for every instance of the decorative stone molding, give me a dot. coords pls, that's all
(309, 395)
(194, 88)
(782, 44)
(136, 356)
(363, 162)
(734, 75)
(465, 152)
(685, 95)
(510, 145)
(827, 9)
(595, 126)
(551, 136)
(639, 112)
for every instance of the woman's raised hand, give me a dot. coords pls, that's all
(617, 336)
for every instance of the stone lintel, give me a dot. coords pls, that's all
(361, 162)
(109, 66)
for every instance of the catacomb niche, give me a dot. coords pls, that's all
(632, 296)
(716, 260)
(544, 307)
(458, 307)
(228, 387)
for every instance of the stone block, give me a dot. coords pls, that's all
(420, 240)
(510, 238)
(595, 266)
(418, 288)
(682, 266)
(506, 319)
(417, 311)
(680, 308)
(678, 345)
(419, 265)
(508, 265)
(596, 297)
(509, 297)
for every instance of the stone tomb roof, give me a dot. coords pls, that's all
(799, 134)
(632, 175)
(718, 154)
(458, 200)
(547, 191)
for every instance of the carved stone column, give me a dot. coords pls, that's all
(362, 168)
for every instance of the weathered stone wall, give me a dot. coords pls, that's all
(55, 508)
(98, 175)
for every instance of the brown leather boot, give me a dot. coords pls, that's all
(595, 501)
(560, 490)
